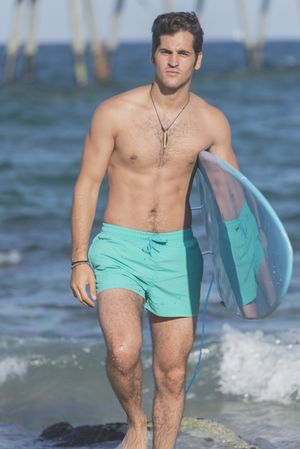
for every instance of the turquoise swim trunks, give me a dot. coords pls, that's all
(247, 254)
(163, 268)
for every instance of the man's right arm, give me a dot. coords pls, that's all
(98, 147)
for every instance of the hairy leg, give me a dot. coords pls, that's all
(120, 317)
(172, 342)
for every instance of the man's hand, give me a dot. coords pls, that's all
(82, 275)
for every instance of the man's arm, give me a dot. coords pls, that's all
(98, 147)
(229, 195)
(221, 137)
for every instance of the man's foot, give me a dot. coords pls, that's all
(134, 439)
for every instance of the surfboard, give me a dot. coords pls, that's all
(251, 253)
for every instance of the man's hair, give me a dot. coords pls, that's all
(173, 22)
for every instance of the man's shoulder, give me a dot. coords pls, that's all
(209, 114)
(211, 118)
(204, 108)
(124, 101)
(112, 111)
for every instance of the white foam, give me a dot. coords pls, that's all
(12, 367)
(194, 355)
(263, 367)
(12, 257)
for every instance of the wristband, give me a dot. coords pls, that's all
(79, 262)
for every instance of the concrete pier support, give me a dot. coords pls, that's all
(167, 5)
(254, 45)
(31, 44)
(254, 34)
(13, 45)
(113, 40)
(80, 69)
(199, 7)
(101, 66)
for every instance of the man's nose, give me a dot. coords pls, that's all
(173, 60)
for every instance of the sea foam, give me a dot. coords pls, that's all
(259, 366)
(12, 257)
(12, 367)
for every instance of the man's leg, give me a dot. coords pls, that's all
(172, 342)
(120, 317)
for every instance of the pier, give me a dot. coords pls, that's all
(82, 16)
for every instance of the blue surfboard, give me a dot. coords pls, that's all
(252, 254)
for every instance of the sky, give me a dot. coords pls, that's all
(219, 19)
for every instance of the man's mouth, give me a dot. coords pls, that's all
(172, 72)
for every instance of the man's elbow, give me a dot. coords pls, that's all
(85, 186)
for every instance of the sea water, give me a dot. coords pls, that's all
(52, 353)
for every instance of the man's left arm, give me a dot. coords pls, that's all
(221, 138)
(222, 148)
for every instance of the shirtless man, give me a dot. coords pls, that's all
(147, 140)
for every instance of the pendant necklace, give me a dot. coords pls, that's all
(166, 130)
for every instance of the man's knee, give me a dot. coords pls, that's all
(170, 379)
(124, 356)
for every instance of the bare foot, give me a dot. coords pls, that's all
(136, 438)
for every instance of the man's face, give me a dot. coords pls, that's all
(175, 60)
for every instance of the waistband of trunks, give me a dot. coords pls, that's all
(243, 216)
(120, 231)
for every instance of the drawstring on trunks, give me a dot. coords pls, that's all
(150, 245)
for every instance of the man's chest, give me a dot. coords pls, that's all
(144, 143)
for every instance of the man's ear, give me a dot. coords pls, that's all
(198, 61)
(152, 58)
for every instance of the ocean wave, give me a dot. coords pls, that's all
(12, 367)
(11, 257)
(259, 366)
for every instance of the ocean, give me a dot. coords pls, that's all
(51, 348)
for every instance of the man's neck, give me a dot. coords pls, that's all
(169, 99)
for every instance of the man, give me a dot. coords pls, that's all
(147, 140)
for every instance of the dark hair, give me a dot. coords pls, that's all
(173, 22)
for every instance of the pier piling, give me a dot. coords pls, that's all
(13, 45)
(254, 45)
(167, 5)
(254, 37)
(80, 69)
(101, 67)
(31, 45)
(199, 6)
(115, 27)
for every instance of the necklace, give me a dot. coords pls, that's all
(166, 130)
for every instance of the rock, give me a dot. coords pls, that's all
(213, 431)
(57, 431)
(64, 434)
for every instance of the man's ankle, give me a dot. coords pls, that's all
(138, 423)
